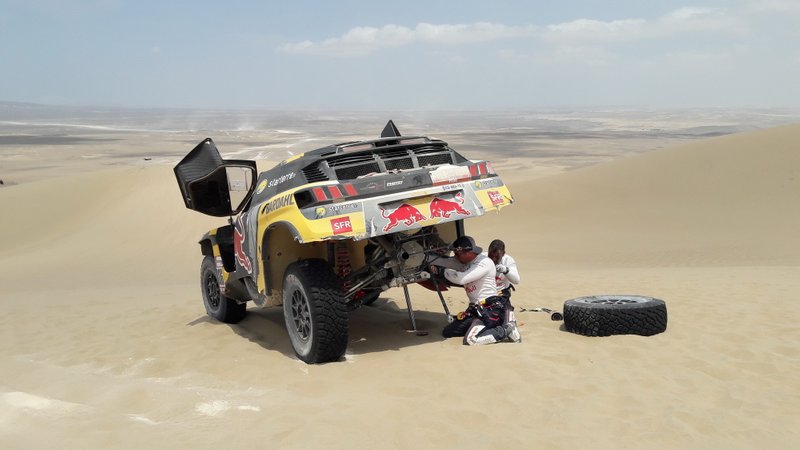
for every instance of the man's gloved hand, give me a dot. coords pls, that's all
(501, 269)
(478, 308)
(469, 312)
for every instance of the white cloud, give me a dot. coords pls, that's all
(675, 23)
(364, 40)
(578, 33)
(595, 30)
(469, 33)
(692, 19)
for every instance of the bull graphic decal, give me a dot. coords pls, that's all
(238, 242)
(405, 213)
(443, 208)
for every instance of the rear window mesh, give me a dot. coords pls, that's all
(399, 163)
(355, 171)
(349, 166)
(434, 159)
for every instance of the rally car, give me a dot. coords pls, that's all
(327, 231)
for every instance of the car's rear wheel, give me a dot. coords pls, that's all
(217, 305)
(314, 311)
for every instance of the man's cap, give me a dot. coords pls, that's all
(466, 244)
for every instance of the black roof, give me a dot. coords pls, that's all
(349, 160)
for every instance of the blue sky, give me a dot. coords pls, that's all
(401, 55)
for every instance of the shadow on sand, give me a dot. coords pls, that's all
(379, 327)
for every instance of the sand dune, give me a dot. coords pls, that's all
(105, 342)
(729, 201)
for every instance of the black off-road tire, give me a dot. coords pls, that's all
(606, 315)
(217, 305)
(314, 311)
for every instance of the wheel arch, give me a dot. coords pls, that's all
(219, 242)
(281, 245)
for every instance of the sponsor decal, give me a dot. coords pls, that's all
(488, 183)
(281, 179)
(336, 210)
(452, 187)
(444, 208)
(498, 280)
(277, 203)
(221, 273)
(261, 187)
(341, 225)
(449, 174)
(238, 245)
(394, 183)
(405, 213)
(496, 198)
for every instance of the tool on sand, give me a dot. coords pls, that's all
(554, 315)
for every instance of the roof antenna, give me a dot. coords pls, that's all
(390, 130)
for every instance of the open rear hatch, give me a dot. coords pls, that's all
(212, 185)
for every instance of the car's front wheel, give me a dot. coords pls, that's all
(314, 311)
(217, 305)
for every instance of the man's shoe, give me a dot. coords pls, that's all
(512, 333)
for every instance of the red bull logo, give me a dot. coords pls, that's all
(238, 242)
(405, 214)
(444, 208)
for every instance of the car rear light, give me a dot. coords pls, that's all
(335, 192)
(351, 191)
(319, 194)
(481, 169)
(324, 194)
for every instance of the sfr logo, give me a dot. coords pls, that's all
(341, 225)
(495, 197)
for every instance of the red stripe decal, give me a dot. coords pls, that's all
(320, 194)
(335, 192)
(350, 189)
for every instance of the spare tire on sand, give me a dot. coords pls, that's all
(605, 315)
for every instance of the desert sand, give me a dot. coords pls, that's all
(105, 343)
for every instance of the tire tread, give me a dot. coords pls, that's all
(331, 320)
(645, 319)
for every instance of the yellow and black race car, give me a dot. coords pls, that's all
(327, 231)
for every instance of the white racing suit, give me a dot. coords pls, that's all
(482, 322)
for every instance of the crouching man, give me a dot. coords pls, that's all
(489, 318)
(507, 273)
